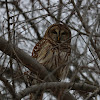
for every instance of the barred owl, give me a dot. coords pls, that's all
(54, 50)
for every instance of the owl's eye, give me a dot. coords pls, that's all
(63, 33)
(53, 31)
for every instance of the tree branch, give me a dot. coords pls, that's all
(25, 16)
(23, 58)
(9, 87)
(58, 86)
(86, 29)
(29, 62)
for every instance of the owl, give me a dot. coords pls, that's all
(54, 50)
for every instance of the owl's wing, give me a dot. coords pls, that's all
(37, 48)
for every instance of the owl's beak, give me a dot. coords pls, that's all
(58, 38)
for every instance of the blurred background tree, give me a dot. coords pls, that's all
(23, 24)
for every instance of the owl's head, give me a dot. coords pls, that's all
(58, 33)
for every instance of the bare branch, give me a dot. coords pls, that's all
(29, 62)
(9, 87)
(56, 86)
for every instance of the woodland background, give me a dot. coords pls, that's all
(24, 22)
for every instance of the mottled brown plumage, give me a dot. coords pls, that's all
(54, 49)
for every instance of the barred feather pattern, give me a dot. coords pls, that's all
(52, 56)
(53, 52)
